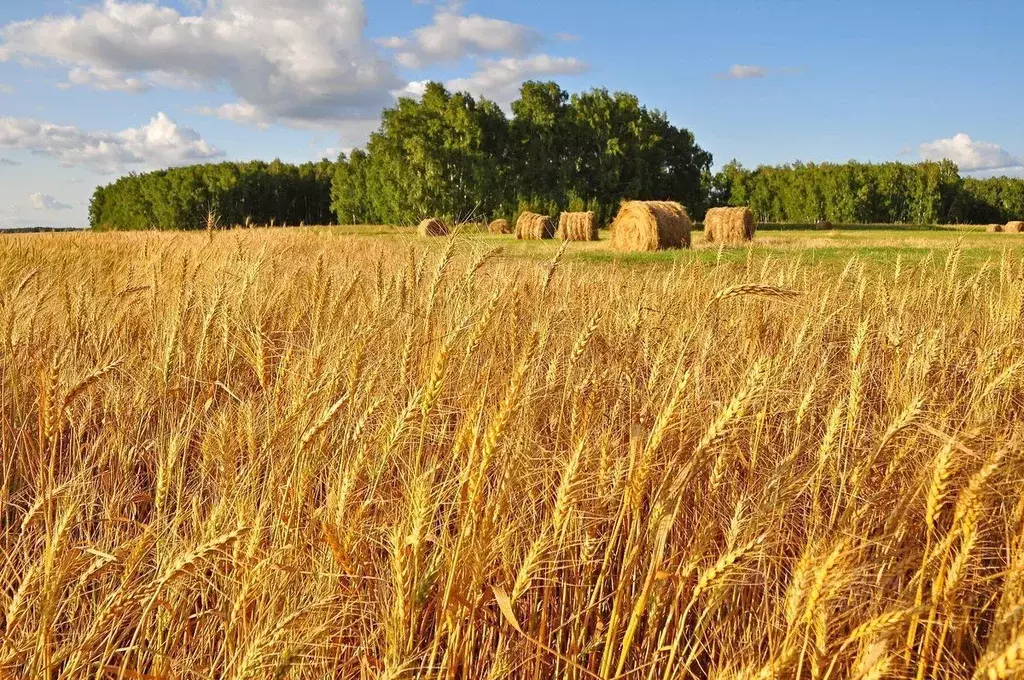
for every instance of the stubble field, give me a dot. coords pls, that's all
(309, 454)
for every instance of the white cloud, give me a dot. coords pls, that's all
(968, 154)
(40, 201)
(353, 134)
(451, 37)
(239, 112)
(745, 72)
(161, 142)
(414, 89)
(566, 37)
(105, 79)
(499, 79)
(296, 61)
(6, 89)
(302, 63)
(8, 161)
(392, 43)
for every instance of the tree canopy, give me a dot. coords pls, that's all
(181, 198)
(450, 155)
(865, 193)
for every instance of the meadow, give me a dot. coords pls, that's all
(352, 453)
(876, 245)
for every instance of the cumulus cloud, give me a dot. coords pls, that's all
(414, 89)
(392, 43)
(969, 154)
(105, 79)
(161, 142)
(239, 112)
(451, 37)
(304, 62)
(499, 79)
(744, 72)
(40, 201)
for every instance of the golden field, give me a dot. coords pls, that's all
(283, 454)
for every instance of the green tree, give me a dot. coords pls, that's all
(433, 158)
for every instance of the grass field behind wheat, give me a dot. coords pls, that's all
(304, 454)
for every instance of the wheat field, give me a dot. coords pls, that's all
(283, 455)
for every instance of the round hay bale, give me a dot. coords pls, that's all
(499, 227)
(433, 227)
(1014, 228)
(729, 225)
(824, 224)
(651, 225)
(577, 226)
(532, 227)
(994, 228)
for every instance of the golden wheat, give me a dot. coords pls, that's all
(247, 454)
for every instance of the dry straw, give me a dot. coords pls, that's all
(499, 227)
(651, 225)
(994, 228)
(433, 227)
(577, 226)
(531, 227)
(730, 226)
(1014, 228)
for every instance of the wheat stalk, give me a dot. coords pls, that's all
(755, 289)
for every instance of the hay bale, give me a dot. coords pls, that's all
(577, 226)
(531, 227)
(651, 225)
(433, 227)
(1014, 228)
(729, 225)
(994, 228)
(824, 224)
(499, 227)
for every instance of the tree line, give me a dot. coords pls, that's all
(237, 193)
(869, 193)
(446, 155)
(461, 158)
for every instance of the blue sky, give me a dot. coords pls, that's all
(93, 89)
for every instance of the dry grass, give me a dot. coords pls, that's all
(533, 227)
(577, 226)
(731, 226)
(285, 455)
(651, 225)
(432, 227)
(499, 226)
